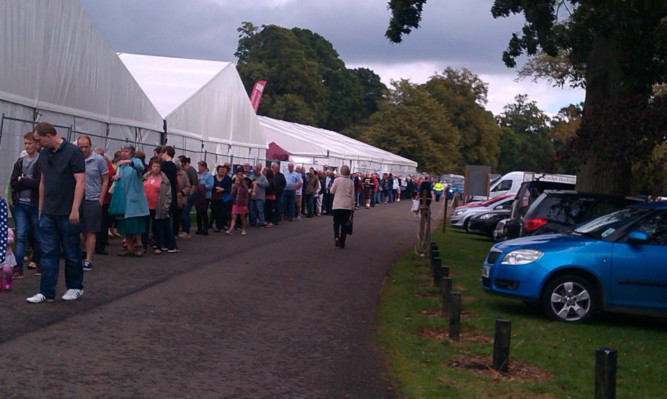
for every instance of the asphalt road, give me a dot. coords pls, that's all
(279, 313)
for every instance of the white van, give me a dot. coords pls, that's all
(511, 182)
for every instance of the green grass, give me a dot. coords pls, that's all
(420, 365)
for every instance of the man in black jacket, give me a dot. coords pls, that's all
(25, 197)
(279, 183)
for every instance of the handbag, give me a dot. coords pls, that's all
(349, 224)
(117, 203)
(415, 206)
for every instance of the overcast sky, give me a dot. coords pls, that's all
(456, 33)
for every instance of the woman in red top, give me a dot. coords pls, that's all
(240, 202)
(157, 190)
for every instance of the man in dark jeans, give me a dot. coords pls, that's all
(102, 236)
(60, 194)
(279, 186)
(194, 180)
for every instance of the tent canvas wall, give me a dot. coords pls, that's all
(55, 66)
(317, 146)
(204, 105)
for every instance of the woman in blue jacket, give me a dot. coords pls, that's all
(129, 188)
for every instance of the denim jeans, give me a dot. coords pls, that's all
(256, 211)
(185, 215)
(310, 204)
(57, 232)
(288, 203)
(25, 219)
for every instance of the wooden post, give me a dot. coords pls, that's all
(501, 345)
(445, 290)
(437, 271)
(454, 315)
(605, 373)
(444, 217)
(434, 254)
(444, 273)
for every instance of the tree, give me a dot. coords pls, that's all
(307, 82)
(411, 123)
(618, 51)
(531, 128)
(463, 94)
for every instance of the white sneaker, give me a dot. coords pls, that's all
(228, 232)
(38, 298)
(72, 294)
(243, 232)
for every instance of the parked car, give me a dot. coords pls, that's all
(560, 211)
(616, 262)
(485, 223)
(527, 194)
(455, 189)
(461, 216)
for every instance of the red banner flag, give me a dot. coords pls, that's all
(256, 93)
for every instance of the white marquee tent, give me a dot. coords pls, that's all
(56, 66)
(205, 106)
(315, 146)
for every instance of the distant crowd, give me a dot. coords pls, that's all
(69, 200)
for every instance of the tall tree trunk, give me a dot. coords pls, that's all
(601, 170)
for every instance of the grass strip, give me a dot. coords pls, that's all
(547, 359)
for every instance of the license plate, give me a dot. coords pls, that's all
(485, 271)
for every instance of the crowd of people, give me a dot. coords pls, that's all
(69, 199)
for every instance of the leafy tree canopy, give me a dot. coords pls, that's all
(617, 50)
(307, 82)
(463, 94)
(411, 123)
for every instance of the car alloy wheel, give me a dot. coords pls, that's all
(569, 298)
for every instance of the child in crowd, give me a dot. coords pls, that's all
(7, 260)
(240, 202)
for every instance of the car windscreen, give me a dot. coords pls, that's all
(606, 225)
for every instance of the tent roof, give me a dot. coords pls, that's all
(59, 61)
(302, 140)
(169, 81)
(204, 99)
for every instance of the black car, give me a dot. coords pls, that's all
(528, 193)
(561, 211)
(485, 223)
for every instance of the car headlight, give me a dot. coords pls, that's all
(487, 216)
(457, 213)
(521, 257)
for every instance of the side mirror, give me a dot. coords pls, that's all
(637, 237)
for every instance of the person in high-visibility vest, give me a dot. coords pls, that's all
(438, 188)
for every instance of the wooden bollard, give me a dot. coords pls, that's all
(605, 373)
(501, 345)
(437, 271)
(454, 315)
(444, 273)
(445, 290)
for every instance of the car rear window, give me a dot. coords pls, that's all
(573, 209)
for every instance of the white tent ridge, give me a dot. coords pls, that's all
(203, 100)
(56, 66)
(324, 147)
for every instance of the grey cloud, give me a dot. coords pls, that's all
(458, 33)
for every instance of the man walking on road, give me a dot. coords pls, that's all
(97, 183)
(60, 193)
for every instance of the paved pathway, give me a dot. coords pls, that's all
(279, 313)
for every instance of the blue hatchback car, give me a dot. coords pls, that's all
(617, 262)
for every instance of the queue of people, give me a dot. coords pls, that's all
(70, 199)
